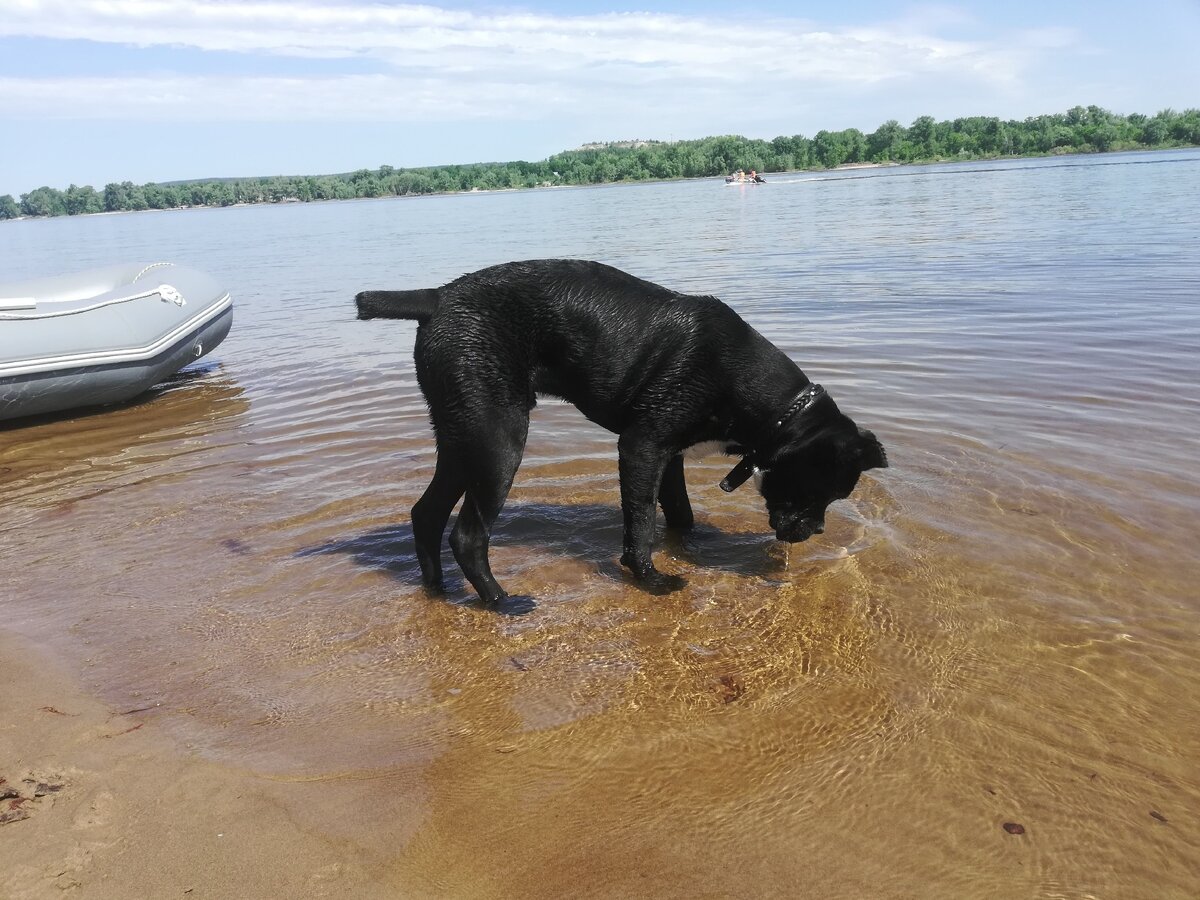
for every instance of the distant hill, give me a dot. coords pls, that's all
(635, 144)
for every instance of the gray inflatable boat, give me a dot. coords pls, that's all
(104, 336)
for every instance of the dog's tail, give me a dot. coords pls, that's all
(417, 305)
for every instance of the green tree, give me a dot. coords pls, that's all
(830, 148)
(136, 199)
(855, 143)
(198, 194)
(995, 138)
(883, 143)
(1186, 127)
(79, 200)
(44, 201)
(116, 196)
(923, 134)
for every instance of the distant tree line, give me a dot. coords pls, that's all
(1079, 130)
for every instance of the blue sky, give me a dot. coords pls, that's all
(93, 91)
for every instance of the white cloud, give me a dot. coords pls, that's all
(254, 99)
(454, 64)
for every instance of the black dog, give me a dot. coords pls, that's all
(663, 370)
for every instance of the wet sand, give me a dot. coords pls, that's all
(106, 806)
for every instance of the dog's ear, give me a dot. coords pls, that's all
(871, 454)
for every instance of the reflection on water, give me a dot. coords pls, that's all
(60, 458)
(1001, 628)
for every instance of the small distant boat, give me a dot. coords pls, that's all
(104, 336)
(745, 178)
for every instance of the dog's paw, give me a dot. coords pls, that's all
(504, 604)
(659, 583)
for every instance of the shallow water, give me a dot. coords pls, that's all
(1001, 628)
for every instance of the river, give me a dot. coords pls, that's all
(1001, 628)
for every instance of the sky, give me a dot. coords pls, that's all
(93, 91)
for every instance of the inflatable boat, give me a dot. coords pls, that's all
(104, 336)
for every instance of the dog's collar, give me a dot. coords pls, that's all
(748, 466)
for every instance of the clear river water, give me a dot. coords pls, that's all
(1001, 628)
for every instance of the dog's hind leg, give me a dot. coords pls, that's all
(429, 517)
(494, 458)
(673, 498)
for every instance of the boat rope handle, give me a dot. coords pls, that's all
(165, 291)
(149, 267)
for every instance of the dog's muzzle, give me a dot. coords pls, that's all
(793, 528)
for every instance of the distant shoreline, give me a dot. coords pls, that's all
(287, 201)
(1079, 130)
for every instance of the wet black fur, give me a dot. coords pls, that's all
(661, 369)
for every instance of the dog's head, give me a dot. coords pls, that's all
(819, 464)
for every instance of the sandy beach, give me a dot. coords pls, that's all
(106, 806)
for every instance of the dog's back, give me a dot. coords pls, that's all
(587, 332)
(513, 287)
(550, 299)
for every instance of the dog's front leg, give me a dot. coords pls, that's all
(642, 463)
